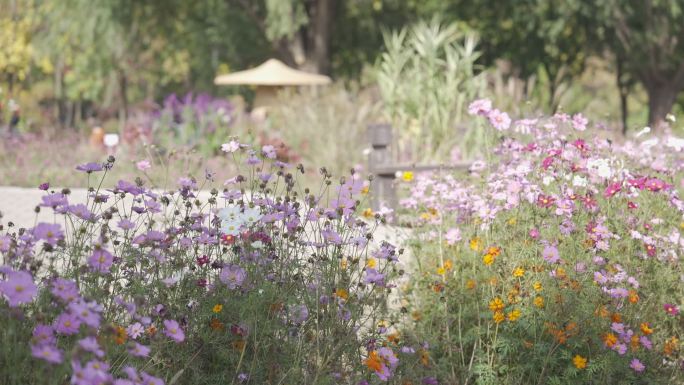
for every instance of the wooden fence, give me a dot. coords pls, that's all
(384, 171)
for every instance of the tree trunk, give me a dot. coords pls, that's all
(623, 89)
(661, 98)
(320, 30)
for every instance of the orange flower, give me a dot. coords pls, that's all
(494, 251)
(646, 329)
(424, 357)
(394, 337)
(616, 317)
(341, 293)
(634, 342)
(610, 339)
(152, 330)
(498, 316)
(216, 324)
(633, 296)
(239, 345)
(120, 335)
(373, 361)
(671, 346)
(470, 284)
(539, 302)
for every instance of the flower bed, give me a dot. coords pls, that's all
(556, 261)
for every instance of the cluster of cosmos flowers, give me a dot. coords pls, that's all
(596, 219)
(135, 275)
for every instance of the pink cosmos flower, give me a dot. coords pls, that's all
(143, 165)
(500, 120)
(637, 366)
(18, 288)
(173, 331)
(101, 260)
(452, 236)
(480, 107)
(579, 122)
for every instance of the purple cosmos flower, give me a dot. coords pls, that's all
(64, 289)
(373, 276)
(43, 335)
(269, 151)
(139, 350)
(645, 342)
(233, 276)
(430, 381)
(636, 365)
(67, 324)
(89, 344)
(44, 186)
(101, 260)
(550, 254)
(173, 330)
(299, 314)
(88, 313)
(5, 243)
(18, 288)
(126, 224)
(89, 167)
(151, 380)
(54, 200)
(47, 353)
(80, 210)
(48, 232)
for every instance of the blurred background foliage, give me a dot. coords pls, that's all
(71, 65)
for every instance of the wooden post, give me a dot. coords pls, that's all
(382, 187)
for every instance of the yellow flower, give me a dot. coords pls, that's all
(537, 286)
(217, 308)
(368, 213)
(343, 264)
(518, 272)
(512, 221)
(470, 284)
(488, 259)
(498, 317)
(407, 176)
(579, 362)
(539, 302)
(448, 265)
(476, 244)
(610, 339)
(514, 315)
(496, 304)
(371, 263)
(441, 271)
(364, 190)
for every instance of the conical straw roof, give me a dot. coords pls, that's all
(272, 73)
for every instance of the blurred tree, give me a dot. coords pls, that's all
(531, 34)
(16, 28)
(648, 36)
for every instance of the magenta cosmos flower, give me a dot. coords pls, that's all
(173, 330)
(671, 309)
(18, 288)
